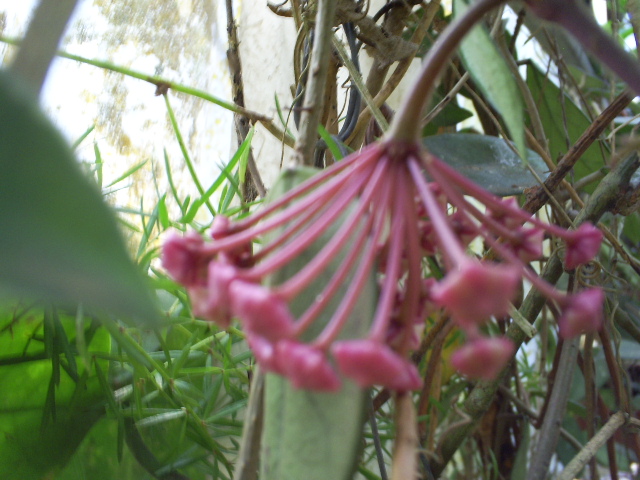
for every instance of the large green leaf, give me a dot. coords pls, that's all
(488, 161)
(490, 72)
(50, 399)
(59, 240)
(311, 435)
(563, 123)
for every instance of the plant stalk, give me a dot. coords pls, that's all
(315, 87)
(591, 448)
(407, 122)
(41, 41)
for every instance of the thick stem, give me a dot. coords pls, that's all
(591, 448)
(405, 447)
(41, 41)
(406, 123)
(314, 96)
(550, 430)
(574, 17)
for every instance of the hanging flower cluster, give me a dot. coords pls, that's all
(387, 218)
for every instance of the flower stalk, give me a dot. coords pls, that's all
(391, 207)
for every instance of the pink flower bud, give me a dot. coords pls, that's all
(529, 245)
(582, 245)
(262, 313)
(212, 302)
(264, 351)
(306, 366)
(372, 363)
(582, 313)
(476, 291)
(483, 358)
(182, 259)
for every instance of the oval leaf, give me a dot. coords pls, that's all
(312, 435)
(59, 240)
(488, 161)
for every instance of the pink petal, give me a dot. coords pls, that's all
(306, 366)
(582, 313)
(483, 358)
(476, 291)
(373, 363)
(582, 245)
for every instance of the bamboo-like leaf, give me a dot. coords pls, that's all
(128, 173)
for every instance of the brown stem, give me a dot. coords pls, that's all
(550, 430)
(242, 122)
(315, 87)
(619, 392)
(406, 123)
(405, 450)
(591, 134)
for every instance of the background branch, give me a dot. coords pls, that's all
(315, 87)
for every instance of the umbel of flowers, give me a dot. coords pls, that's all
(389, 208)
(390, 219)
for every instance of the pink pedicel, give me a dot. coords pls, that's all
(483, 358)
(390, 207)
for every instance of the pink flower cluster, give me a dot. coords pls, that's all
(387, 220)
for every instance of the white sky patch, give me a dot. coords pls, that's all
(74, 93)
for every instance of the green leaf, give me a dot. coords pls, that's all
(489, 71)
(332, 144)
(128, 173)
(488, 161)
(60, 241)
(563, 124)
(308, 434)
(244, 157)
